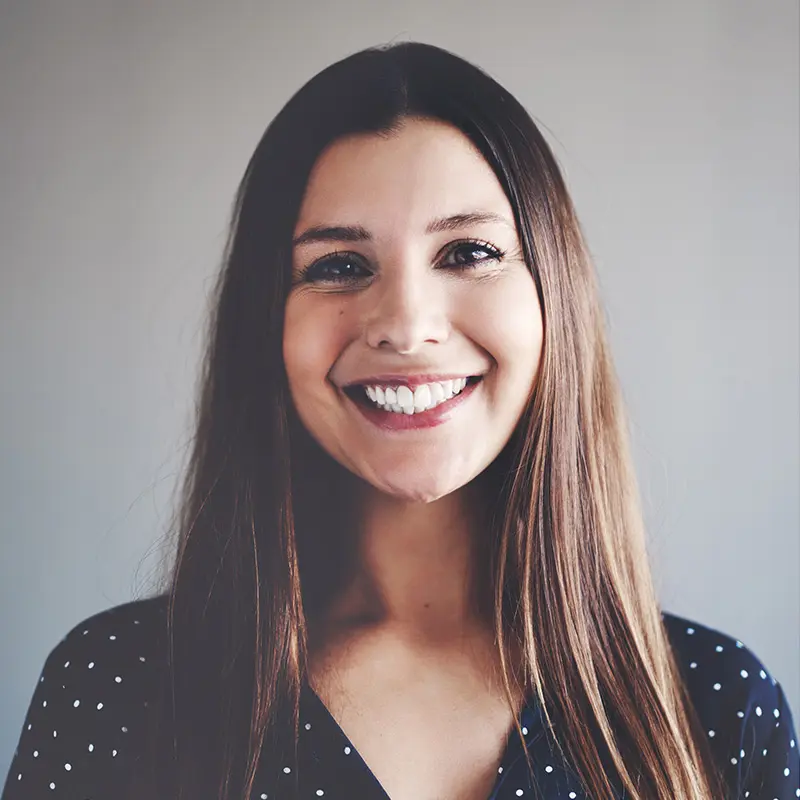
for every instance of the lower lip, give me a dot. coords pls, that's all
(394, 421)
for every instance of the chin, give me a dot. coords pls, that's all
(418, 488)
(412, 495)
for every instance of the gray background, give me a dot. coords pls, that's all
(125, 129)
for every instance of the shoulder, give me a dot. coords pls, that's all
(718, 661)
(87, 716)
(741, 706)
(111, 657)
(127, 640)
(138, 622)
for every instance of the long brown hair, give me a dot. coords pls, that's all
(262, 530)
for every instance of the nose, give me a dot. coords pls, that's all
(404, 312)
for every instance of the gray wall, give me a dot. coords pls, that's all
(125, 128)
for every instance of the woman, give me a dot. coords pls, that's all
(411, 562)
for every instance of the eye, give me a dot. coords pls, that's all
(334, 268)
(473, 252)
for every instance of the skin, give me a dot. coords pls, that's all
(408, 306)
(405, 642)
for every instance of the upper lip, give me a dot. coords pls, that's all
(412, 381)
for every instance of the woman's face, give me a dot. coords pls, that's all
(408, 283)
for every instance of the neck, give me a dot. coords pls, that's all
(417, 571)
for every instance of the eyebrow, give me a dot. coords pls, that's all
(357, 233)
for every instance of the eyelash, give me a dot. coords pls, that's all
(307, 276)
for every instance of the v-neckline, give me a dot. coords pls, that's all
(529, 718)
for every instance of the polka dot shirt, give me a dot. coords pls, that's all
(83, 730)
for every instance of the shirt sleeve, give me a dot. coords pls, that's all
(62, 735)
(769, 743)
(87, 712)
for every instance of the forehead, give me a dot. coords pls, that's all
(400, 180)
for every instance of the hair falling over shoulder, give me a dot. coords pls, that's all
(569, 579)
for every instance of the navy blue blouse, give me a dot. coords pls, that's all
(82, 733)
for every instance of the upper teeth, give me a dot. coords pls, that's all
(402, 399)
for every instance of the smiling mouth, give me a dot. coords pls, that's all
(403, 400)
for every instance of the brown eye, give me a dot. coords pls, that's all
(472, 253)
(335, 268)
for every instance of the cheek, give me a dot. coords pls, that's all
(508, 324)
(311, 340)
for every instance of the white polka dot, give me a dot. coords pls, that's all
(19, 777)
(263, 797)
(791, 743)
(733, 761)
(711, 733)
(776, 713)
(36, 754)
(118, 679)
(113, 638)
(29, 726)
(347, 751)
(287, 770)
(764, 751)
(786, 772)
(67, 767)
(693, 665)
(744, 673)
(741, 754)
(91, 748)
(91, 664)
(99, 706)
(44, 704)
(718, 648)
(124, 729)
(499, 770)
(308, 726)
(136, 622)
(690, 631)
(524, 731)
(141, 658)
(114, 753)
(520, 793)
(762, 674)
(66, 664)
(739, 644)
(740, 714)
(572, 795)
(320, 793)
(717, 687)
(55, 733)
(758, 711)
(52, 786)
(548, 768)
(76, 703)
